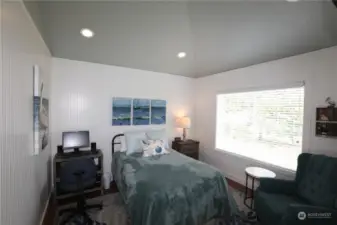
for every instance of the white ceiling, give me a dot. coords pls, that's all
(217, 35)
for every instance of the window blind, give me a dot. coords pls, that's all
(265, 120)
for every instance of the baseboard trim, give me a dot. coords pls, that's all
(234, 178)
(236, 185)
(45, 209)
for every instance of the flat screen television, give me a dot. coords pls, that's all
(75, 140)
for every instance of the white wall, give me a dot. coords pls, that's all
(2, 133)
(82, 99)
(318, 70)
(24, 177)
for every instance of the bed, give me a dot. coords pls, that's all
(171, 189)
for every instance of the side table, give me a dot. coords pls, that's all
(255, 173)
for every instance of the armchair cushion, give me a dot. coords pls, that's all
(272, 207)
(314, 190)
(318, 184)
(271, 185)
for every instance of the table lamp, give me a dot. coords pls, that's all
(185, 123)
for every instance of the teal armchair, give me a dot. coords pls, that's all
(313, 194)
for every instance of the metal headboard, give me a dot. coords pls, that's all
(113, 142)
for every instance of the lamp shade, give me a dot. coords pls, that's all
(184, 122)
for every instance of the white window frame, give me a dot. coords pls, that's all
(252, 89)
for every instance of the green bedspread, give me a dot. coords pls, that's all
(171, 189)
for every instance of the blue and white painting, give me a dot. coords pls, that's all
(41, 123)
(141, 112)
(121, 111)
(158, 111)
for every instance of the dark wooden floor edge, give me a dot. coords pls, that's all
(236, 185)
(48, 215)
(51, 208)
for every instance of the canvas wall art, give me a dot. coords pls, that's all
(121, 111)
(141, 112)
(40, 114)
(41, 122)
(128, 111)
(158, 112)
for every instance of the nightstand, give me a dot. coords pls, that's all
(188, 147)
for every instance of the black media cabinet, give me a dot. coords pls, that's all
(66, 157)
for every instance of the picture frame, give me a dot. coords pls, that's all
(141, 112)
(121, 111)
(40, 114)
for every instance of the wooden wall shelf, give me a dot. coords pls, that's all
(326, 122)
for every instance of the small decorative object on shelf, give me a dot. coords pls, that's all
(330, 102)
(326, 120)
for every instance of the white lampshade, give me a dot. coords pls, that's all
(184, 122)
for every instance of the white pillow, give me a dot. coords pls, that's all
(133, 141)
(158, 135)
(153, 147)
(123, 144)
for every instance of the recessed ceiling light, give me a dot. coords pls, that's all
(181, 55)
(292, 0)
(87, 33)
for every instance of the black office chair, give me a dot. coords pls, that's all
(76, 176)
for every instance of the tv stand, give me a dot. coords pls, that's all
(59, 159)
(84, 153)
(74, 151)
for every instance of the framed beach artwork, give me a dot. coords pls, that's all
(121, 111)
(158, 112)
(141, 112)
(41, 122)
(40, 114)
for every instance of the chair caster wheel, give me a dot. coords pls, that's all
(251, 216)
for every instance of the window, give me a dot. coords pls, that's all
(263, 125)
